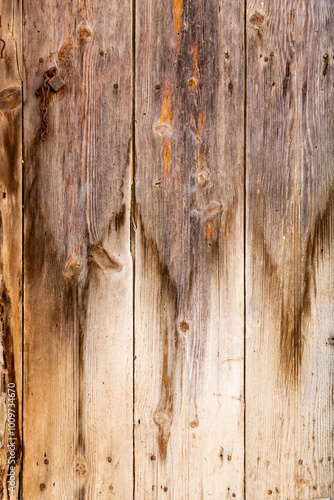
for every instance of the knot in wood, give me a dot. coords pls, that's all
(256, 20)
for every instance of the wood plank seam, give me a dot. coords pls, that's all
(132, 223)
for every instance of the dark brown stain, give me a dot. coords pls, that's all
(39, 249)
(121, 217)
(118, 221)
(174, 297)
(82, 493)
(326, 62)
(73, 275)
(296, 292)
(81, 299)
(163, 416)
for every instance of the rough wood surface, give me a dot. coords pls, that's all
(289, 257)
(189, 250)
(10, 241)
(78, 268)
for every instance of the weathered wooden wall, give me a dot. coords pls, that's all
(177, 243)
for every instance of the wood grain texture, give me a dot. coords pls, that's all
(10, 242)
(189, 250)
(289, 255)
(78, 268)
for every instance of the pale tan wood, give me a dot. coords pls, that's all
(189, 292)
(78, 267)
(10, 242)
(289, 250)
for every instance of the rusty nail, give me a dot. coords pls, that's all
(51, 80)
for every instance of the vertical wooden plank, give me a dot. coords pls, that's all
(78, 268)
(189, 249)
(10, 248)
(289, 259)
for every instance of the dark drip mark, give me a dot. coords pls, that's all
(295, 295)
(3, 47)
(326, 61)
(8, 358)
(287, 69)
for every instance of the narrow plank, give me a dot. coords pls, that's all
(189, 291)
(78, 267)
(289, 257)
(10, 248)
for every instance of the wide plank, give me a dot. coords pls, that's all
(289, 250)
(10, 248)
(78, 267)
(189, 246)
